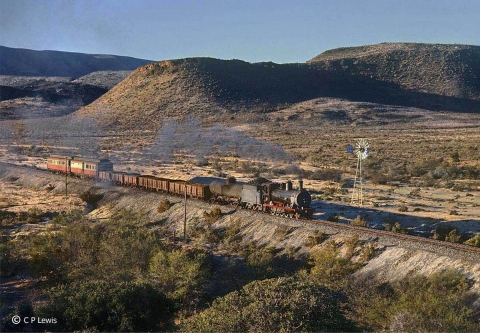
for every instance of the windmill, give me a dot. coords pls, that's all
(361, 149)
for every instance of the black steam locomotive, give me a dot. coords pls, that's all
(275, 198)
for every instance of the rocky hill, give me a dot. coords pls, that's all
(218, 89)
(24, 97)
(449, 70)
(25, 62)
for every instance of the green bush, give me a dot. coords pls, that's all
(329, 268)
(359, 222)
(107, 306)
(259, 261)
(212, 216)
(274, 305)
(317, 238)
(438, 303)
(180, 274)
(10, 260)
(474, 241)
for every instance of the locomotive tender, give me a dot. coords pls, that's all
(265, 196)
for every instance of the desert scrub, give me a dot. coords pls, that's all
(333, 217)
(474, 241)
(359, 222)
(281, 232)
(91, 197)
(212, 216)
(317, 238)
(368, 252)
(163, 206)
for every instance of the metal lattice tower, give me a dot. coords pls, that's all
(361, 149)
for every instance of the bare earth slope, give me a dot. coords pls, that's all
(450, 70)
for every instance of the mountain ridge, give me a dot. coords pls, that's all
(26, 62)
(443, 69)
(212, 88)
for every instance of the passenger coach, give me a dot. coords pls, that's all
(80, 166)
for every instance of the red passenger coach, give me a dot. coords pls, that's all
(59, 164)
(87, 167)
(80, 166)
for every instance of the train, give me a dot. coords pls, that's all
(261, 195)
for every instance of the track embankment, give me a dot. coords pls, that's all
(400, 256)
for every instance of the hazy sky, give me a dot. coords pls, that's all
(280, 31)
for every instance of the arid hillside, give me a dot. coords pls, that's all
(23, 97)
(220, 89)
(449, 70)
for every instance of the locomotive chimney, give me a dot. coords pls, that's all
(300, 185)
(289, 186)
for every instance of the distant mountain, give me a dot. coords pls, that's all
(441, 69)
(26, 62)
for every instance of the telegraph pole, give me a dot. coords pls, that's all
(185, 217)
(66, 177)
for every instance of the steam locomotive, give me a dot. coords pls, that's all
(275, 198)
(261, 195)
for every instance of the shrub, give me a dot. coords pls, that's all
(107, 306)
(474, 241)
(274, 305)
(453, 212)
(442, 231)
(163, 206)
(180, 274)
(329, 268)
(259, 261)
(333, 217)
(281, 232)
(318, 237)
(351, 243)
(212, 216)
(359, 222)
(9, 259)
(453, 237)
(455, 156)
(232, 234)
(395, 227)
(440, 302)
(91, 197)
(403, 208)
(368, 252)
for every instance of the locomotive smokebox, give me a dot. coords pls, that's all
(300, 185)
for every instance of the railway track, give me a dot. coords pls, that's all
(418, 239)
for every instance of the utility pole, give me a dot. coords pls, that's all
(66, 177)
(185, 217)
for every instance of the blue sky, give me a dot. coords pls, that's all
(281, 31)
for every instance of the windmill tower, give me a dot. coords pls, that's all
(361, 149)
